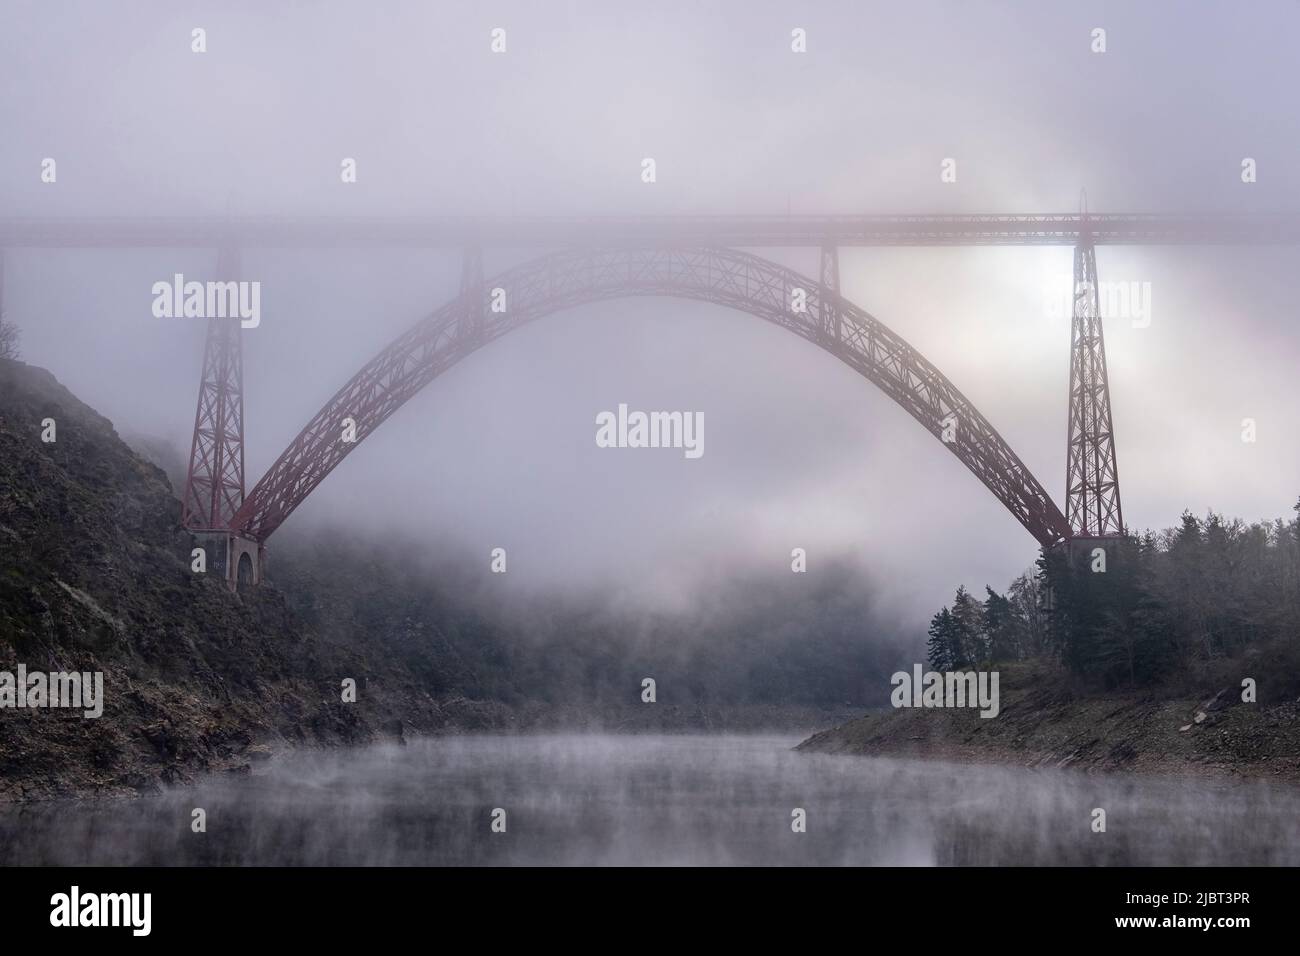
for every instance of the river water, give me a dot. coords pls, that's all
(648, 800)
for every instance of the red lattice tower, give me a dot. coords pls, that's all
(214, 484)
(1092, 504)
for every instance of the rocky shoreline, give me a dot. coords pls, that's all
(57, 756)
(1044, 722)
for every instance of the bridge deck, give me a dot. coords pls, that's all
(744, 231)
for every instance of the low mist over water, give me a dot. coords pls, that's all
(662, 800)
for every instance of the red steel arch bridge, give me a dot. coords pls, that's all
(706, 258)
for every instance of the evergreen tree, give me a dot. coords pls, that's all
(1003, 630)
(968, 617)
(942, 646)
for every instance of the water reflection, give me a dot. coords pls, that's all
(647, 800)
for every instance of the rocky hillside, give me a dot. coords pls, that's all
(94, 576)
(1043, 722)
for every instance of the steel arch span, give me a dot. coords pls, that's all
(578, 276)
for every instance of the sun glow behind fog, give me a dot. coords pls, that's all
(802, 451)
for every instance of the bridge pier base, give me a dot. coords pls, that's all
(1094, 553)
(237, 560)
(1080, 547)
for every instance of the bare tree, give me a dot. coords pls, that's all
(8, 339)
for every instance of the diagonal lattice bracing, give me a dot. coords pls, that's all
(578, 276)
(214, 482)
(1092, 475)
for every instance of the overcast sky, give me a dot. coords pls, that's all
(800, 451)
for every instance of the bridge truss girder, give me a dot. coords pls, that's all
(578, 276)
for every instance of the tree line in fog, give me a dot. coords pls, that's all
(1184, 603)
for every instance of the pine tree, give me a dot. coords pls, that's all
(941, 645)
(968, 617)
(1004, 631)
